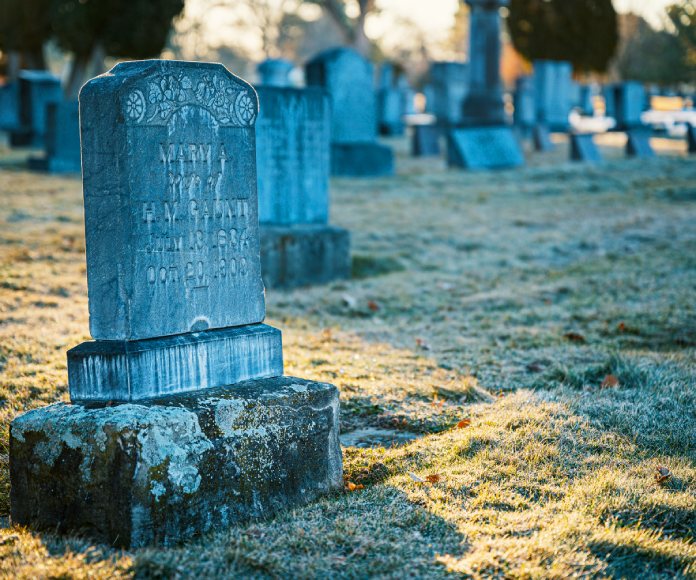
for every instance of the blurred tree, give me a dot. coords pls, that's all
(682, 18)
(352, 27)
(583, 32)
(93, 29)
(25, 26)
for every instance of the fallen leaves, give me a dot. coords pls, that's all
(350, 486)
(574, 337)
(372, 305)
(463, 423)
(662, 474)
(610, 381)
(432, 478)
(422, 344)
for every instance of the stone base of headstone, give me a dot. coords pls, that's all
(392, 129)
(164, 471)
(156, 367)
(361, 160)
(638, 144)
(24, 137)
(691, 137)
(541, 138)
(54, 165)
(425, 141)
(484, 148)
(583, 148)
(62, 140)
(303, 255)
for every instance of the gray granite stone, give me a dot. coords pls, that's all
(483, 104)
(9, 107)
(629, 102)
(583, 148)
(524, 116)
(169, 175)
(391, 101)
(638, 143)
(348, 77)
(609, 95)
(586, 100)
(541, 138)
(36, 90)
(552, 87)
(303, 255)
(275, 72)
(361, 160)
(484, 148)
(446, 91)
(163, 472)
(112, 370)
(425, 141)
(62, 140)
(292, 155)
(691, 137)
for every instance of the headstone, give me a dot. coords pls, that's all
(298, 246)
(484, 148)
(425, 141)
(348, 78)
(408, 95)
(585, 100)
(446, 91)
(552, 82)
(483, 104)
(62, 140)
(524, 116)
(389, 103)
(638, 143)
(609, 96)
(190, 425)
(488, 142)
(36, 90)
(9, 114)
(691, 137)
(541, 138)
(629, 100)
(583, 148)
(275, 72)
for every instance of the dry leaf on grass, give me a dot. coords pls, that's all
(350, 486)
(372, 305)
(662, 474)
(433, 478)
(575, 337)
(463, 423)
(610, 381)
(420, 343)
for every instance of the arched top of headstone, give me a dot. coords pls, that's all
(151, 91)
(336, 53)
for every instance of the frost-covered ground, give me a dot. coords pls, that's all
(548, 311)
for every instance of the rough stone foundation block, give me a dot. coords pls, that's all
(361, 160)
(161, 472)
(305, 254)
(115, 370)
(483, 148)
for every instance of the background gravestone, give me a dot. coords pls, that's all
(348, 77)
(298, 247)
(62, 139)
(448, 82)
(638, 143)
(541, 138)
(36, 90)
(425, 141)
(9, 115)
(609, 96)
(585, 100)
(691, 138)
(275, 72)
(484, 148)
(524, 116)
(552, 85)
(629, 103)
(390, 103)
(583, 148)
(190, 425)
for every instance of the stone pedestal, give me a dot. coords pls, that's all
(425, 141)
(118, 370)
(304, 254)
(583, 148)
(361, 160)
(484, 148)
(638, 144)
(164, 471)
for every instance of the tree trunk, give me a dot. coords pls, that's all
(14, 65)
(78, 72)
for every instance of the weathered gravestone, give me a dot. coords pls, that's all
(552, 82)
(638, 143)
(275, 72)
(541, 138)
(609, 96)
(181, 421)
(483, 109)
(298, 247)
(484, 148)
(629, 103)
(349, 80)
(36, 90)
(9, 115)
(583, 148)
(390, 103)
(524, 115)
(445, 92)
(691, 137)
(425, 141)
(586, 100)
(62, 140)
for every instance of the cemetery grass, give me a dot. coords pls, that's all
(515, 356)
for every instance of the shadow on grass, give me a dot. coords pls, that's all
(628, 560)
